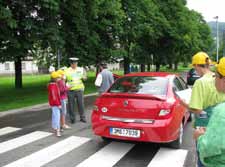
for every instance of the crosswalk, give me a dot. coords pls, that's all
(107, 156)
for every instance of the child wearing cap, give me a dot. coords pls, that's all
(211, 143)
(63, 97)
(54, 102)
(204, 94)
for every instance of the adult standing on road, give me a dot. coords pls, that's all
(74, 77)
(204, 94)
(104, 79)
(211, 143)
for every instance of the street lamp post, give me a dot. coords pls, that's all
(217, 38)
(58, 58)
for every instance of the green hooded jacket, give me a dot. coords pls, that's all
(211, 145)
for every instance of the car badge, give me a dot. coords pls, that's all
(104, 109)
(125, 103)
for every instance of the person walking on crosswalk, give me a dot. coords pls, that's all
(54, 102)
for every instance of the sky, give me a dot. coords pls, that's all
(209, 8)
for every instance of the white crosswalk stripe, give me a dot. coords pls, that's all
(108, 156)
(169, 157)
(50, 153)
(20, 141)
(8, 130)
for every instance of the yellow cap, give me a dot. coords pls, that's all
(61, 72)
(55, 74)
(200, 58)
(220, 67)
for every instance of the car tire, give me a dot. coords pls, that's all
(106, 139)
(190, 118)
(178, 142)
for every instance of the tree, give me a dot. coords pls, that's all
(22, 23)
(104, 20)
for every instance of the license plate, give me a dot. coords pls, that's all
(125, 132)
(195, 76)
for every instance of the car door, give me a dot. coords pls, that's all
(179, 85)
(180, 110)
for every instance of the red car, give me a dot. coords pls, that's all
(142, 107)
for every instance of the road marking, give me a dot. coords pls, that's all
(107, 156)
(7, 130)
(20, 141)
(169, 157)
(50, 153)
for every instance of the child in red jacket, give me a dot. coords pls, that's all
(54, 102)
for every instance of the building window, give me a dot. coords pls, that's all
(7, 67)
(23, 66)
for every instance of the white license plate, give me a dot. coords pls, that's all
(195, 76)
(125, 132)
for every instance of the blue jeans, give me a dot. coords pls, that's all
(63, 109)
(55, 117)
(199, 163)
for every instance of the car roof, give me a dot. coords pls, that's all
(151, 74)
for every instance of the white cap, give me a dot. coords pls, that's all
(73, 59)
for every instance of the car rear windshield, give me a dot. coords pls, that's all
(140, 85)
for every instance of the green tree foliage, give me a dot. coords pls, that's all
(141, 28)
(104, 19)
(159, 31)
(22, 24)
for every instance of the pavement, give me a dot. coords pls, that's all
(33, 108)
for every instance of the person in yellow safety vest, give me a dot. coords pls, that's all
(74, 76)
(211, 145)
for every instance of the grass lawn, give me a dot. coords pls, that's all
(180, 69)
(34, 91)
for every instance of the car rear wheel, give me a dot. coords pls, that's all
(177, 143)
(190, 118)
(106, 139)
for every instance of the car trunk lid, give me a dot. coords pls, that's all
(127, 105)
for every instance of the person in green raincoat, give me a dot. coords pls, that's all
(211, 140)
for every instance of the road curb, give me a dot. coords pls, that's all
(34, 108)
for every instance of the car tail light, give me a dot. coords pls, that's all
(95, 108)
(164, 112)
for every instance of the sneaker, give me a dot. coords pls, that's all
(58, 134)
(66, 127)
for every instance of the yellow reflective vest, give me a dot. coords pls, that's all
(74, 78)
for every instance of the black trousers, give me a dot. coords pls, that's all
(79, 96)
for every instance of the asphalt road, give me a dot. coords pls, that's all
(137, 154)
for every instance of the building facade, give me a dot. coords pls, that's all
(28, 67)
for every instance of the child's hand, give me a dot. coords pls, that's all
(199, 131)
(60, 107)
